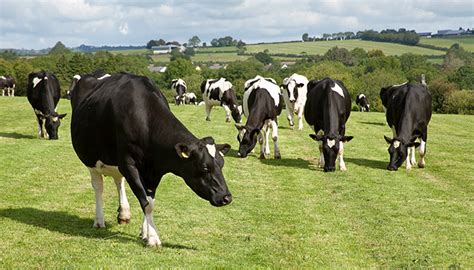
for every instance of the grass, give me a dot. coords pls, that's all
(466, 42)
(130, 52)
(286, 213)
(321, 47)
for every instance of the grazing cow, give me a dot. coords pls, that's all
(363, 103)
(294, 94)
(8, 83)
(262, 104)
(327, 109)
(190, 98)
(43, 94)
(220, 92)
(122, 126)
(408, 112)
(179, 87)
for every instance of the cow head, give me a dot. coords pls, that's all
(398, 152)
(74, 82)
(203, 169)
(52, 123)
(247, 140)
(292, 90)
(330, 147)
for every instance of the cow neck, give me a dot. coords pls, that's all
(47, 98)
(257, 114)
(331, 117)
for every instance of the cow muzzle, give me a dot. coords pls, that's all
(222, 201)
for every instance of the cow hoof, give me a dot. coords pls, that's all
(262, 156)
(123, 220)
(208, 119)
(227, 120)
(153, 242)
(343, 169)
(277, 156)
(421, 165)
(98, 225)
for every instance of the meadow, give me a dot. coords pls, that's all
(466, 42)
(286, 213)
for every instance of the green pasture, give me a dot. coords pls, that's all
(286, 213)
(466, 42)
(321, 47)
(131, 51)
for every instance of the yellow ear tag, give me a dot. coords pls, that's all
(184, 155)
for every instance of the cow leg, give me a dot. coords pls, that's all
(13, 92)
(289, 116)
(321, 155)
(227, 113)
(261, 141)
(124, 214)
(267, 135)
(277, 154)
(98, 185)
(413, 158)
(421, 163)
(3, 92)
(40, 126)
(130, 172)
(300, 119)
(342, 165)
(208, 112)
(408, 161)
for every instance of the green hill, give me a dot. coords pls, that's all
(466, 42)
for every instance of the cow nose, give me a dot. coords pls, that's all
(227, 199)
(292, 100)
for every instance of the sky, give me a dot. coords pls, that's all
(38, 24)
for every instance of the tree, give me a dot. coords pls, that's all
(189, 51)
(194, 41)
(177, 54)
(59, 48)
(240, 44)
(339, 54)
(305, 37)
(178, 69)
(8, 55)
(152, 43)
(463, 77)
(264, 58)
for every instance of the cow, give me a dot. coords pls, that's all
(179, 87)
(294, 93)
(328, 106)
(408, 111)
(190, 98)
(220, 92)
(262, 104)
(122, 126)
(98, 74)
(43, 93)
(363, 103)
(8, 83)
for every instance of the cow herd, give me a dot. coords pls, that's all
(122, 126)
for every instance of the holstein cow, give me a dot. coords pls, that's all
(179, 87)
(190, 98)
(408, 112)
(294, 94)
(220, 92)
(123, 126)
(327, 109)
(362, 102)
(8, 83)
(262, 104)
(98, 74)
(43, 94)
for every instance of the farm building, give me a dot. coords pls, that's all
(166, 49)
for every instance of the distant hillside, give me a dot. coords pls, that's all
(466, 42)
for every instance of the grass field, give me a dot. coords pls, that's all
(131, 52)
(286, 213)
(466, 42)
(321, 47)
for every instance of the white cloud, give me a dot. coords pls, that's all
(123, 28)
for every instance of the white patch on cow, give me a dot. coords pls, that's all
(39, 112)
(55, 119)
(241, 134)
(337, 89)
(3, 77)
(103, 77)
(396, 144)
(331, 143)
(77, 77)
(36, 80)
(211, 148)
(272, 88)
(46, 78)
(222, 84)
(177, 82)
(397, 85)
(361, 96)
(108, 170)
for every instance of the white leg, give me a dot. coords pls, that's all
(289, 116)
(13, 92)
(321, 155)
(260, 138)
(267, 135)
(413, 158)
(152, 236)
(276, 150)
(227, 113)
(421, 164)
(144, 231)
(3, 92)
(124, 207)
(300, 119)
(342, 165)
(98, 185)
(208, 112)
(408, 161)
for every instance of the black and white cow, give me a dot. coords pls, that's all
(98, 74)
(8, 83)
(363, 103)
(43, 93)
(122, 126)
(179, 87)
(190, 98)
(327, 109)
(294, 94)
(408, 112)
(220, 92)
(262, 104)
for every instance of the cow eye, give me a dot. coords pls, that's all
(206, 169)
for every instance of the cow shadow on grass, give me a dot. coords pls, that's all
(63, 222)
(372, 123)
(370, 163)
(15, 135)
(289, 162)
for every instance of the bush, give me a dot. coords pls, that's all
(463, 77)
(461, 102)
(440, 91)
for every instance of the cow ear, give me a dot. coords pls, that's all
(183, 150)
(347, 138)
(223, 148)
(61, 116)
(239, 127)
(387, 139)
(208, 140)
(316, 137)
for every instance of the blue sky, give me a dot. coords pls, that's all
(36, 24)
